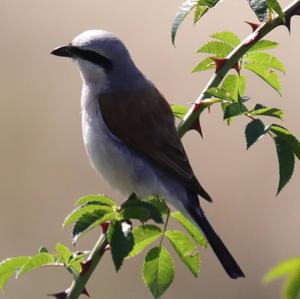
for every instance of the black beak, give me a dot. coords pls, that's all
(63, 51)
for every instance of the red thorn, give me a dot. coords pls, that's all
(254, 26)
(61, 295)
(105, 226)
(85, 266)
(287, 24)
(196, 106)
(197, 127)
(219, 62)
(85, 292)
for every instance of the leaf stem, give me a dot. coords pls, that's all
(78, 285)
(266, 27)
(165, 227)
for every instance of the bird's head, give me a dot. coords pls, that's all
(100, 56)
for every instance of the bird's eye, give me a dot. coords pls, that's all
(93, 57)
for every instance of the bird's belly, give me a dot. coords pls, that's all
(119, 166)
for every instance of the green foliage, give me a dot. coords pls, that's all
(199, 6)
(261, 110)
(291, 270)
(193, 230)
(286, 160)
(93, 199)
(158, 270)
(179, 111)
(143, 236)
(263, 9)
(121, 242)
(254, 131)
(186, 249)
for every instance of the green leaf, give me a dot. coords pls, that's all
(179, 111)
(235, 85)
(90, 208)
(260, 8)
(288, 137)
(95, 199)
(267, 75)
(37, 261)
(286, 160)
(143, 236)
(157, 201)
(121, 243)
(263, 45)
(185, 8)
(134, 208)
(274, 5)
(192, 229)
(9, 267)
(186, 250)
(218, 48)
(64, 254)
(234, 109)
(219, 93)
(227, 37)
(266, 59)
(266, 111)
(292, 286)
(203, 65)
(283, 268)
(158, 271)
(88, 221)
(255, 130)
(200, 11)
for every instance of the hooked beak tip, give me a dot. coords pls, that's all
(63, 51)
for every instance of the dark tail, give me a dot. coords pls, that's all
(229, 264)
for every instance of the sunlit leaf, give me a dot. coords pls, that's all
(63, 253)
(191, 228)
(37, 261)
(95, 199)
(204, 65)
(200, 11)
(266, 111)
(120, 243)
(292, 285)
(263, 72)
(227, 37)
(179, 111)
(78, 212)
(282, 269)
(263, 45)
(143, 236)
(217, 48)
(275, 6)
(235, 85)
(186, 249)
(266, 59)
(9, 267)
(88, 221)
(158, 271)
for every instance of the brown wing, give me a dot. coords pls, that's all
(147, 125)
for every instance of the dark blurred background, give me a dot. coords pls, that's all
(44, 168)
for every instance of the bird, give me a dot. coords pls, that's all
(130, 136)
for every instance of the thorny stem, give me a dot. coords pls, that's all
(165, 227)
(95, 256)
(265, 28)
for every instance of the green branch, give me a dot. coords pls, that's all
(232, 59)
(79, 283)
